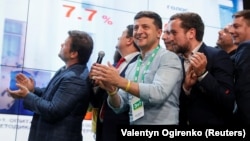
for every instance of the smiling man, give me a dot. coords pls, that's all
(152, 84)
(241, 36)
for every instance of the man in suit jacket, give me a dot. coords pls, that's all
(60, 107)
(241, 36)
(208, 88)
(109, 122)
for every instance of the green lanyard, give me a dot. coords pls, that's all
(139, 62)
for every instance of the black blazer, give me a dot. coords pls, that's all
(242, 82)
(106, 130)
(211, 101)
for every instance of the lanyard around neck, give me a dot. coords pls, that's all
(139, 62)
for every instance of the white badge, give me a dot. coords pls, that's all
(137, 108)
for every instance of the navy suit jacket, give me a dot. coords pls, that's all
(59, 109)
(211, 101)
(106, 130)
(242, 82)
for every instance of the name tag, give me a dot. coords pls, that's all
(137, 108)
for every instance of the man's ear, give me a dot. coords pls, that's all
(159, 33)
(130, 40)
(191, 33)
(73, 54)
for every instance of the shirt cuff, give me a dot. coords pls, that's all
(202, 76)
(187, 92)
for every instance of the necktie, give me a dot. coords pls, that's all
(120, 62)
(101, 116)
(104, 104)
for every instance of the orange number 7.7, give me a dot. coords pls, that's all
(92, 13)
(71, 8)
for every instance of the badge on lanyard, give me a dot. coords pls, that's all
(137, 108)
(136, 103)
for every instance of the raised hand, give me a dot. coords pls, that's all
(25, 81)
(190, 78)
(20, 93)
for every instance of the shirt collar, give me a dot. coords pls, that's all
(193, 51)
(129, 57)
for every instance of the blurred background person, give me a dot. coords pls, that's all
(167, 39)
(241, 36)
(225, 41)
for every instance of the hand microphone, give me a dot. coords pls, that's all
(101, 54)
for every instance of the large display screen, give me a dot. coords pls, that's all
(31, 33)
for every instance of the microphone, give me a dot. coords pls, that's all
(101, 54)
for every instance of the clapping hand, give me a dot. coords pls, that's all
(24, 84)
